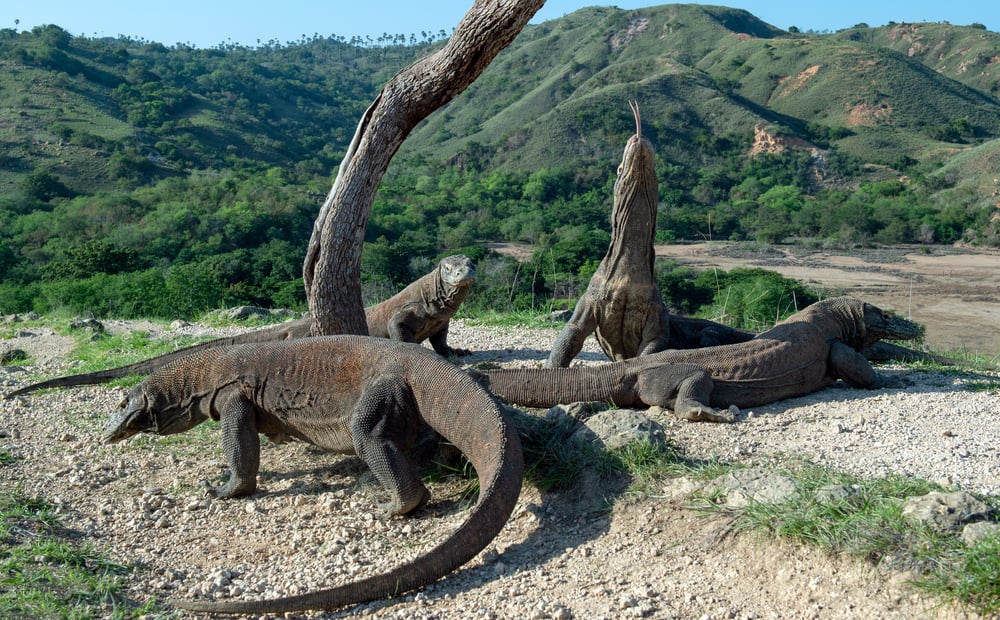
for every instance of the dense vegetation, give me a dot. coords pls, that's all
(145, 180)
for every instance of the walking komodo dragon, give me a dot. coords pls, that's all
(350, 394)
(421, 311)
(804, 353)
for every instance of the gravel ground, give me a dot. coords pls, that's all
(590, 553)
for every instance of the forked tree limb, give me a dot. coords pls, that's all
(332, 268)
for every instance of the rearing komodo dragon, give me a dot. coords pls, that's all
(622, 305)
(802, 354)
(350, 394)
(420, 311)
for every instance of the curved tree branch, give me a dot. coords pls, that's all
(332, 268)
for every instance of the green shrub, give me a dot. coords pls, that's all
(752, 298)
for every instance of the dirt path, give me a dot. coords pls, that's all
(954, 293)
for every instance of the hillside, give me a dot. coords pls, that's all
(129, 169)
(558, 91)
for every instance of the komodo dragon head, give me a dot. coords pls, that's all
(882, 325)
(458, 271)
(862, 324)
(157, 414)
(636, 197)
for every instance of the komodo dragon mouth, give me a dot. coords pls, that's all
(126, 422)
(137, 415)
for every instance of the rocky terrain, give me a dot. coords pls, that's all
(594, 552)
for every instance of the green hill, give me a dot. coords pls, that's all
(130, 170)
(561, 88)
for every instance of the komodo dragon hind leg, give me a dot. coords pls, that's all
(693, 396)
(384, 424)
(686, 388)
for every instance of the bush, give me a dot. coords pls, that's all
(184, 291)
(18, 298)
(88, 258)
(753, 298)
(680, 288)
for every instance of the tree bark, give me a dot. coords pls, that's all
(332, 268)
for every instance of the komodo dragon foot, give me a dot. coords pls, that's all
(697, 412)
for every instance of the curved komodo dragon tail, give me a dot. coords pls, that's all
(285, 331)
(467, 416)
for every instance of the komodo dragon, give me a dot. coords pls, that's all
(421, 310)
(622, 305)
(350, 394)
(802, 354)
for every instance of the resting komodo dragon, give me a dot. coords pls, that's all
(420, 311)
(622, 305)
(350, 394)
(802, 354)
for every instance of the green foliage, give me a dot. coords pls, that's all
(680, 288)
(133, 164)
(45, 186)
(969, 575)
(88, 258)
(752, 298)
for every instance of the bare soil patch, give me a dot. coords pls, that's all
(954, 293)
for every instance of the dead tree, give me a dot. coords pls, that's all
(332, 268)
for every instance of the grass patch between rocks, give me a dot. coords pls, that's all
(44, 573)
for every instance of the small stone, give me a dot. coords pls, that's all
(973, 533)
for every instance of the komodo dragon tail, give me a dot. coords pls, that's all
(285, 331)
(542, 387)
(465, 415)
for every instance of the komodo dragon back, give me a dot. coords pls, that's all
(285, 331)
(351, 382)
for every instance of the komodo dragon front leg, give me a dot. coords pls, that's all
(241, 445)
(855, 369)
(570, 341)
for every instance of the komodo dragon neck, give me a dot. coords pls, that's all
(633, 215)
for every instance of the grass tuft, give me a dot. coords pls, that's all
(44, 574)
(869, 524)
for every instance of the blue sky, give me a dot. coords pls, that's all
(207, 23)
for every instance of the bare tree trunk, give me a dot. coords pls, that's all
(332, 269)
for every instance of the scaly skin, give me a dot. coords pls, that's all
(622, 305)
(285, 331)
(350, 394)
(802, 354)
(422, 310)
